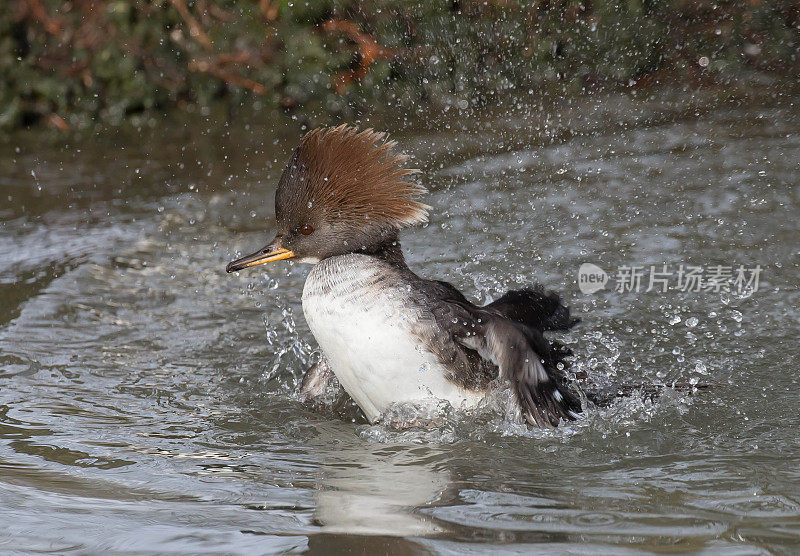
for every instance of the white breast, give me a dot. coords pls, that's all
(360, 313)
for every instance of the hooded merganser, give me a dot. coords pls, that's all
(388, 335)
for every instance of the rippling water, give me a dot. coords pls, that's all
(146, 397)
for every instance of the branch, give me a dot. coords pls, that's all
(36, 11)
(227, 77)
(269, 11)
(54, 120)
(368, 50)
(195, 30)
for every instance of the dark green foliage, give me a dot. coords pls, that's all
(74, 63)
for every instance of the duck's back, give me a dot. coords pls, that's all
(377, 334)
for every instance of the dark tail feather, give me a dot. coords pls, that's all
(524, 357)
(554, 358)
(534, 307)
(605, 395)
(514, 340)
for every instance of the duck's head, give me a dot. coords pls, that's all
(343, 191)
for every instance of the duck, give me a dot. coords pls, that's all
(386, 334)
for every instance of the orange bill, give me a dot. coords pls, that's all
(266, 255)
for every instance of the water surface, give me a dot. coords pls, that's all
(146, 397)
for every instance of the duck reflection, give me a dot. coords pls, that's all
(377, 491)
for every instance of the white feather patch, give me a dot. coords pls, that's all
(364, 327)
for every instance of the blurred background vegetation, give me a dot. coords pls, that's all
(80, 63)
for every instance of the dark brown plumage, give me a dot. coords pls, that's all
(343, 191)
(350, 175)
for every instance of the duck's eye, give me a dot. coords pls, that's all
(307, 230)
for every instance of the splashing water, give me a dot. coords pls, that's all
(148, 396)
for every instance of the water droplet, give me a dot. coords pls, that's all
(701, 368)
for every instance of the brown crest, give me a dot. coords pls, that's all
(351, 176)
